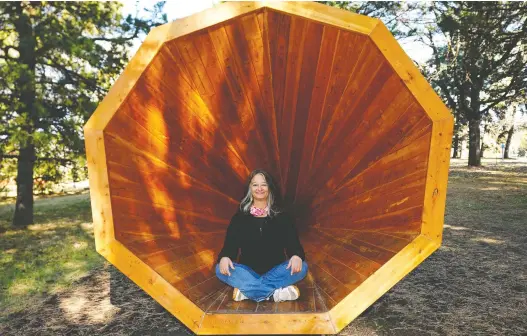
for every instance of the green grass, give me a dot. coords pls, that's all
(47, 256)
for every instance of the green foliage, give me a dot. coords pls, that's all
(392, 13)
(479, 54)
(57, 61)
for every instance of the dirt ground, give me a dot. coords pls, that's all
(475, 284)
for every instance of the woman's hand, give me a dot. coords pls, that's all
(225, 263)
(295, 263)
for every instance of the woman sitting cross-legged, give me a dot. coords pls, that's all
(262, 232)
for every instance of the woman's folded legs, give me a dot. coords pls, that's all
(259, 288)
(247, 281)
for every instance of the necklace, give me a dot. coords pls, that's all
(257, 212)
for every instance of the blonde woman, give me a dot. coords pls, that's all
(272, 258)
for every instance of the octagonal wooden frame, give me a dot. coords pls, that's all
(367, 293)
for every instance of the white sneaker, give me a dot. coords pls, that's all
(237, 295)
(288, 293)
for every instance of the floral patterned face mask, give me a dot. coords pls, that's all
(259, 212)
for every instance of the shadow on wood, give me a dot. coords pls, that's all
(324, 100)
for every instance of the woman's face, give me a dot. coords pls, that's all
(259, 188)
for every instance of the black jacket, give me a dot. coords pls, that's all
(264, 242)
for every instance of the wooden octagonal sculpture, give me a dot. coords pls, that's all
(323, 99)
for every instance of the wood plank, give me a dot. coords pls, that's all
(294, 323)
(246, 306)
(373, 251)
(210, 303)
(176, 270)
(203, 289)
(386, 241)
(240, 74)
(333, 288)
(185, 134)
(379, 206)
(348, 277)
(265, 307)
(257, 47)
(411, 76)
(352, 260)
(211, 17)
(360, 73)
(128, 79)
(310, 56)
(163, 189)
(320, 300)
(101, 205)
(153, 284)
(337, 150)
(174, 220)
(306, 302)
(246, 42)
(405, 220)
(377, 187)
(418, 130)
(437, 178)
(127, 156)
(386, 169)
(399, 129)
(406, 192)
(328, 15)
(330, 38)
(194, 165)
(197, 285)
(297, 33)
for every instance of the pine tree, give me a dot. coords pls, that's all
(57, 60)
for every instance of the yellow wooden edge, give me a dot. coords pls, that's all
(381, 281)
(153, 284)
(99, 188)
(210, 17)
(437, 178)
(326, 14)
(127, 80)
(250, 324)
(411, 76)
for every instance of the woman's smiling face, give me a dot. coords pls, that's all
(259, 188)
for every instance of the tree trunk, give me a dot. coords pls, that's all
(25, 83)
(455, 146)
(474, 143)
(482, 150)
(510, 133)
(24, 187)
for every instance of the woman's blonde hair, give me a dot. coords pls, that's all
(274, 195)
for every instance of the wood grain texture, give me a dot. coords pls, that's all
(323, 99)
(101, 205)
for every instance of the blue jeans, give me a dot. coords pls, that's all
(259, 287)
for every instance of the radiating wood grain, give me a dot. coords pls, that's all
(311, 51)
(323, 99)
(278, 30)
(329, 43)
(297, 35)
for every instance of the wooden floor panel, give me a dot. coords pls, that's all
(339, 261)
(310, 301)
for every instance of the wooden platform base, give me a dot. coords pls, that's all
(339, 262)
